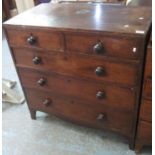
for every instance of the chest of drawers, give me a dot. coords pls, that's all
(144, 125)
(82, 62)
(144, 128)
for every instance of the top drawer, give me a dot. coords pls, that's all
(104, 45)
(35, 38)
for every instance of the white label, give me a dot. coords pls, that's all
(134, 50)
(140, 32)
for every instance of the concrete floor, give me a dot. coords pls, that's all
(49, 135)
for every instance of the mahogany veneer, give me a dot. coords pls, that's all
(144, 127)
(82, 62)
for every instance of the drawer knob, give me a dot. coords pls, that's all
(100, 95)
(98, 48)
(36, 60)
(31, 40)
(41, 82)
(46, 102)
(101, 117)
(99, 71)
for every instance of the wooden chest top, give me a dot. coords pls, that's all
(85, 17)
(141, 3)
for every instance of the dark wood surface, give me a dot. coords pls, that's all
(78, 111)
(144, 127)
(144, 135)
(148, 65)
(84, 17)
(141, 3)
(44, 40)
(112, 46)
(91, 59)
(6, 9)
(148, 88)
(78, 65)
(146, 111)
(7, 6)
(122, 99)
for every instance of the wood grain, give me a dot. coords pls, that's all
(44, 40)
(146, 110)
(116, 97)
(71, 109)
(78, 65)
(112, 46)
(55, 46)
(84, 17)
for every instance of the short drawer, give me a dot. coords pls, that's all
(148, 88)
(25, 37)
(78, 65)
(146, 110)
(144, 133)
(104, 45)
(122, 99)
(77, 111)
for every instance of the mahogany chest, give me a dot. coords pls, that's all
(82, 62)
(144, 127)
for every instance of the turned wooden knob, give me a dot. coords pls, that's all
(31, 40)
(36, 60)
(101, 117)
(100, 95)
(99, 71)
(46, 102)
(41, 81)
(98, 48)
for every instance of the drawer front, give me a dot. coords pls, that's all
(148, 88)
(35, 38)
(145, 132)
(102, 45)
(146, 110)
(77, 111)
(148, 65)
(94, 93)
(77, 65)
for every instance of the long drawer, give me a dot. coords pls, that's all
(77, 111)
(123, 47)
(25, 37)
(78, 65)
(93, 93)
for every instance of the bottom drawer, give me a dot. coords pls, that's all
(77, 111)
(144, 132)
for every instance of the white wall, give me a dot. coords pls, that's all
(23, 5)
